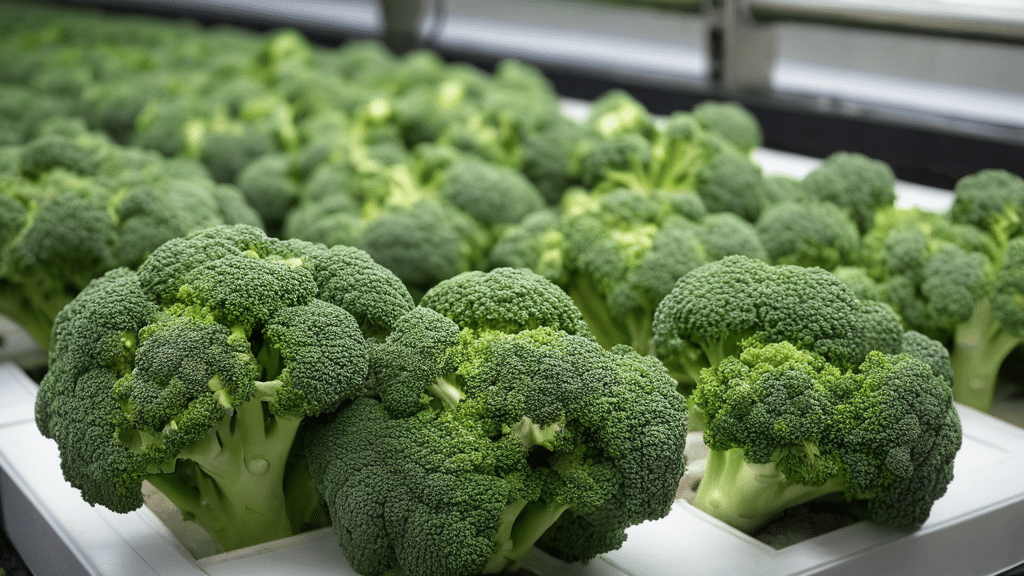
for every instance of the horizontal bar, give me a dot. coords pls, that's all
(679, 5)
(945, 19)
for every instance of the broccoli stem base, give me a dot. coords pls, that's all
(979, 348)
(232, 482)
(522, 524)
(746, 495)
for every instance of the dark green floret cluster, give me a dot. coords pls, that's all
(73, 205)
(803, 390)
(497, 422)
(197, 373)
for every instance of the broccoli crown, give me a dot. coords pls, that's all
(725, 234)
(536, 243)
(486, 441)
(171, 372)
(507, 300)
(623, 252)
(732, 121)
(714, 307)
(731, 182)
(426, 242)
(783, 188)
(269, 187)
(81, 205)
(595, 158)
(808, 234)
(992, 200)
(857, 183)
(786, 426)
(931, 270)
(491, 193)
(547, 156)
(617, 112)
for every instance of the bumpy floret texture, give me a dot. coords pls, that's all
(489, 435)
(196, 372)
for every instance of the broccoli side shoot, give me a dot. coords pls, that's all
(485, 437)
(196, 373)
(785, 426)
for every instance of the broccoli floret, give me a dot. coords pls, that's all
(785, 426)
(716, 306)
(725, 234)
(860, 281)
(857, 183)
(732, 121)
(508, 300)
(617, 112)
(808, 234)
(731, 182)
(536, 243)
(547, 157)
(426, 243)
(991, 200)
(333, 220)
(486, 440)
(783, 188)
(197, 372)
(492, 194)
(617, 160)
(270, 187)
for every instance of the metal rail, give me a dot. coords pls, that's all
(934, 18)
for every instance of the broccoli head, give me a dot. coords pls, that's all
(711, 310)
(486, 437)
(857, 183)
(196, 373)
(79, 205)
(785, 426)
(732, 121)
(808, 234)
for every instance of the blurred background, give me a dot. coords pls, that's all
(933, 87)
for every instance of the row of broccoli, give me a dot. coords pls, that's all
(256, 381)
(471, 325)
(435, 169)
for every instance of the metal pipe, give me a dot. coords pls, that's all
(965, 21)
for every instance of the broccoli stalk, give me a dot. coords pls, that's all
(522, 524)
(232, 483)
(746, 495)
(979, 347)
